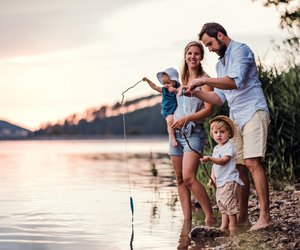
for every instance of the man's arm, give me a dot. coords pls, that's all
(210, 97)
(220, 83)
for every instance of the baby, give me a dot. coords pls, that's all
(170, 82)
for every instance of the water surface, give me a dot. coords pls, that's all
(75, 195)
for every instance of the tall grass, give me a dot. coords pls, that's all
(282, 91)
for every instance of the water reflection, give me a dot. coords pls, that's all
(132, 237)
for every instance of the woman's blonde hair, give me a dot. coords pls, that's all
(184, 70)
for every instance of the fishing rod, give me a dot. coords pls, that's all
(129, 89)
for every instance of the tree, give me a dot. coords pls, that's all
(290, 21)
(289, 12)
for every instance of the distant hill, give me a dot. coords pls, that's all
(142, 117)
(11, 131)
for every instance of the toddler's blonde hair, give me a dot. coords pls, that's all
(219, 124)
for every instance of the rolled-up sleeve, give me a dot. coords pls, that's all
(221, 94)
(242, 59)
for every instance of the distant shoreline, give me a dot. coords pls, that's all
(92, 137)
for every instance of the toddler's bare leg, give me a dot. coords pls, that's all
(232, 224)
(225, 221)
(171, 131)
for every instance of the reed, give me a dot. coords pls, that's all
(282, 90)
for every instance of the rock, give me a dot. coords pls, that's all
(206, 232)
(284, 240)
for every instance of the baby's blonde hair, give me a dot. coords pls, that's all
(219, 124)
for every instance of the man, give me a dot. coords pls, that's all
(238, 84)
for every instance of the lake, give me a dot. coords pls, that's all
(74, 194)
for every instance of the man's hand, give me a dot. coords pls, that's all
(197, 83)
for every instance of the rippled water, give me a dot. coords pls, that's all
(75, 195)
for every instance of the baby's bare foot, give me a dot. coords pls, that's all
(174, 143)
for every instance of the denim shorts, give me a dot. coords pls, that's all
(196, 140)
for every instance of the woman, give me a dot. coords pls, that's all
(189, 117)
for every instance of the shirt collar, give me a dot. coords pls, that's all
(227, 52)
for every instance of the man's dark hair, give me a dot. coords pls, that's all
(212, 29)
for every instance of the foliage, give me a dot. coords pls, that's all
(282, 91)
(289, 12)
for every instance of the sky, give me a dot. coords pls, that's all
(60, 57)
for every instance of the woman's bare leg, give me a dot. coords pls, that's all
(189, 171)
(183, 190)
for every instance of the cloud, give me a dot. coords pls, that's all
(34, 27)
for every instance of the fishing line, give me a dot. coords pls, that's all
(126, 151)
(184, 107)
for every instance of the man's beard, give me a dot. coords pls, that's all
(221, 51)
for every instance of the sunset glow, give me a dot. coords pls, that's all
(59, 58)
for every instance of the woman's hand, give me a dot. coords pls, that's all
(180, 122)
(184, 90)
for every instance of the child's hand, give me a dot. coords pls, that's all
(172, 89)
(205, 159)
(210, 184)
(145, 79)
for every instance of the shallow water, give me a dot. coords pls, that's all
(75, 195)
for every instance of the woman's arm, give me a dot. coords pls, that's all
(206, 111)
(152, 85)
